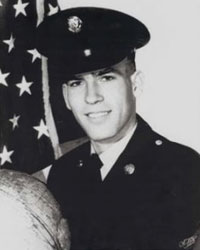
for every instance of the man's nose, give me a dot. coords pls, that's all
(93, 93)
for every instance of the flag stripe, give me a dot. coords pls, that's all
(48, 112)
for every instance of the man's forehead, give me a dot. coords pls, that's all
(116, 68)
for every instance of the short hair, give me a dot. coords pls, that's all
(131, 58)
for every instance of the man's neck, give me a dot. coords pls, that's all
(102, 146)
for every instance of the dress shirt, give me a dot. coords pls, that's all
(110, 156)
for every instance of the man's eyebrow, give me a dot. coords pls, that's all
(74, 78)
(105, 71)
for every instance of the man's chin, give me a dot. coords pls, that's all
(101, 136)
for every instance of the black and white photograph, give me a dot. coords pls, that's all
(99, 125)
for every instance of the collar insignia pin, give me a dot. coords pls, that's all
(80, 163)
(74, 24)
(158, 142)
(129, 169)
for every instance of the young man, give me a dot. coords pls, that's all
(128, 187)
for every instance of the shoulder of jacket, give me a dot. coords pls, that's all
(176, 156)
(173, 146)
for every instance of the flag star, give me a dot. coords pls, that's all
(42, 129)
(20, 8)
(35, 54)
(10, 43)
(3, 78)
(14, 121)
(5, 155)
(24, 86)
(52, 10)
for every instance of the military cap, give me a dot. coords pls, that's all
(85, 39)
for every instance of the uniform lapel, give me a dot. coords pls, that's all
(134, 153)
(131, 158)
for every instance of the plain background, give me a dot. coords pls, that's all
(170, 101)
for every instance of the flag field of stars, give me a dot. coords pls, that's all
(24, 138)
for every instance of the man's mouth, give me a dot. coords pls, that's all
(98, 114)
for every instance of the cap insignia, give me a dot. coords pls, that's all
(74, 24)
(87, 52)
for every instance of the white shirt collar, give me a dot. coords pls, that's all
(110, 156)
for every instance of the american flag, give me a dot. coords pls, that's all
(25, 143)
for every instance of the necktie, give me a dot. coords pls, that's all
(94, 165)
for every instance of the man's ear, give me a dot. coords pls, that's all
(137, 80)
(65, 95)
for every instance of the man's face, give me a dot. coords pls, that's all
(103, 101)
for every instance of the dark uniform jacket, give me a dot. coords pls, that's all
(150, 200)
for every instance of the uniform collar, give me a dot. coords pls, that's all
(141, 138)
(140, 142)
(110, 156)
(133, 153)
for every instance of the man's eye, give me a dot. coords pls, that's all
(74, 83)
(107, 78)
